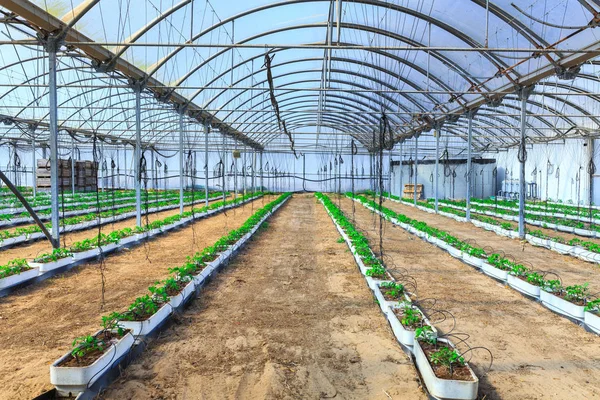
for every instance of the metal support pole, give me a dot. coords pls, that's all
(253, 171)
(206, 131)
(73, 166)
(523, 93)
(181, 177)
(33, 162)
(244, 173)
(125, 167)
(416, 166)
(401, 189)
(303, 170)
(390, 175)
(137, 154)
(224, 169)
(52, 47)
(261, 172)
(438, 133)
(469, 167)
(235, 188)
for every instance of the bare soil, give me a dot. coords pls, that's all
(571, 270)
(537, 354)
(39, 322)
(290, 318)
(30, 251)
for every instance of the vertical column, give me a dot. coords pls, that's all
(125, 166)
(33, 162)
(52, 47)
(416, 166)
(438, 132)
(469, 166)
(253, 171)
(401, 189)
(73, 165)
(523, 93)
(224, 169)
(262, 178)
(206, 131)
(235, 189)
(244, 173)
(390, 175)
(137, 154)
(181, 177)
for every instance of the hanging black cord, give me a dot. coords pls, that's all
(354, 150)
(143, 176)
(98, 218)
(62, 198)
(112, 184)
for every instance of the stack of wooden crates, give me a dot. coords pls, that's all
(86, 175)
(409, 191)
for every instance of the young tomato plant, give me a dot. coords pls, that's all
(84, 345)
(447, 357)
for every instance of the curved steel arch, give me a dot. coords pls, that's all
(377, 3)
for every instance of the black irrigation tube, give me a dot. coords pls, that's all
(7, 291)
(112, 374)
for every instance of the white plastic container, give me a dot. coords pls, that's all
(523, 286)
(472, 260)
(188, 289)
(561, 248)
(444, 388)
(142, 328)
(592, 321)
(403, 335)
(454, 252)
(562, 306)
(45, 267)
(19, 278)
(74, 380)
(492, 271)
(83, 255)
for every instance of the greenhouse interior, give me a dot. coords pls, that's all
(299, 199)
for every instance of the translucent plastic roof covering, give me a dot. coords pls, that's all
(337, 66)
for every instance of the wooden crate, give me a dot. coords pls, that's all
(409, 190)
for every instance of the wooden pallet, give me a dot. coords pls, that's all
(409, 190)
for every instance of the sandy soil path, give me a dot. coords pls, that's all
(290, 318)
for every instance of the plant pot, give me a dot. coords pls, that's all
(592, 321)
(19, 278)
(143, 328)
(454, 252)
(45, 267)
(109, 247)
(562, 306)
(129, 239)
(403, 335)
(444, 388)
(472, 260)
(177, 300)
(74, 380)
(523, 286)
(478, 224)
(583, 232)
(494, 272)
(83, 255)
(536, 241)
(561, 248)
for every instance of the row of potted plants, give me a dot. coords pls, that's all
(571, 301)
(583, 249)
(565, 225)
(91, 247)
(443, 368)
(10, 237)
(68, 211)
(92, 355)
(566, 209)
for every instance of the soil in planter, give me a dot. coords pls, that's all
(400, 315)
(458, 372)
(562, 296)
(386, 294)
(92, 356)
(141, 317)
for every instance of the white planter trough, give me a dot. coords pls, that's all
(403, 335)
(562, 306)
(561, 248)
(129, 239)
(109, 247)
(188, 289)
(18, 278)
(472, 260)
(454, 252)
(523, 286)
(45, 267)
(83, 255)
(74, 380)
(583, 232)
(536, 241)
(592, 321)
(444, 388)
(142, 328)
(492, 271)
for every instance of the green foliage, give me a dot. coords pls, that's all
(448, 357)
(13, 267)
(86, 344)
(426, 334)
(576, 293)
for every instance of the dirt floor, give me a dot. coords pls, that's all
(571, 270)
(39, 322)
(30, 251)
(290, 318)
(537, 354)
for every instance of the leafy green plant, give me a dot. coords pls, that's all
(14, 267)
(552, 286)
(411, 317)
(392, 289)
(84, 345)
(593, 306)
(426, 334)
(447, 357)
(535, 278)
(576, 293)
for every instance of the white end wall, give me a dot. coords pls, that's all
(569, 158)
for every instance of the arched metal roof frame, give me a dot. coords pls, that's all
(367, 28)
